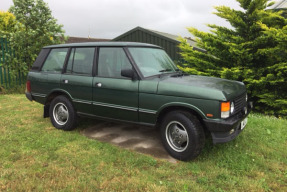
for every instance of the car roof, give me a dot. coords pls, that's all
(103, 44)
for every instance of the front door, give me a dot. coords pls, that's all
(114, 96)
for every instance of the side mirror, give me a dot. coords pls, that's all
(129, 73)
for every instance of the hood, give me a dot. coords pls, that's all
(201, 87)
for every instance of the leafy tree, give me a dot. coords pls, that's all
(39, 28)
(8, 23)
(253, 50)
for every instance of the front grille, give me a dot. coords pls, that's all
(239, 103)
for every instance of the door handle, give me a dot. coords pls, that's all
(98, 84)
(66, 81)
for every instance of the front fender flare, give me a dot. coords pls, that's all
(181, 105)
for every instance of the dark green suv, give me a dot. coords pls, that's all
(137, 83)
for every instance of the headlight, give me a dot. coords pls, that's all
(227, 108)
(232, 107)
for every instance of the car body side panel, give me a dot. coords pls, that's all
(115, 98)
(152, 105)
(42, 84)
(81, 90)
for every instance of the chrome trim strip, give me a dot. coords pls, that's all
(147, 111)
(82, 101)
(38, 95)
(115, 106)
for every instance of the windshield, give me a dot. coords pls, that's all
(152, 61)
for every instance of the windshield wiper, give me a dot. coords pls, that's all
(179, 73)
(165, 70)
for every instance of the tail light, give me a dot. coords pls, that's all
(28, 86)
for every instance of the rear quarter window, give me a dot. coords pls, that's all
(55, 60)
(40, 59)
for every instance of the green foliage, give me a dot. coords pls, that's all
(38, 28)
(17, 89)
(8, 23)
(253, 50)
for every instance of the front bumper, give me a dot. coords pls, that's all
(223, 131)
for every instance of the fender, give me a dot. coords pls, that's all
(184, 105)
(57, 92)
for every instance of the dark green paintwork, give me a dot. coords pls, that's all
(201, 87)
(139, 101)
(116, 98)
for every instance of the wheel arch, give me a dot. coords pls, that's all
(53, 94)
(180, 107)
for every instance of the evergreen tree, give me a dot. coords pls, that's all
(252, 51)
(39, 28)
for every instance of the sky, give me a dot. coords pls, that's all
(111, 18)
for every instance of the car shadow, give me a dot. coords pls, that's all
(142, 139)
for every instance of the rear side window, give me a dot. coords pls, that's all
(81, 61)
(55, 61)
(40, 59)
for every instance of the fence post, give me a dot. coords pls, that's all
(1, 59)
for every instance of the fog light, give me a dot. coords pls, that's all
(231, 131)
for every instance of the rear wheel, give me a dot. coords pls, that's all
(182, 135)
(62, 114)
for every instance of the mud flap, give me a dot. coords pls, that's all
(46, 111)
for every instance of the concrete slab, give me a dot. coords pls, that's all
(141, 139)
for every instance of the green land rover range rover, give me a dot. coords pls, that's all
(137, 83)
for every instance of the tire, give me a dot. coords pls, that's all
(62, 114)
(182, 135)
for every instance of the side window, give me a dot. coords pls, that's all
(112, 61)
(55, 60)
(81, 61)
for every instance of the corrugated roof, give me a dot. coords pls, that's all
(167, 36)
(175, 37)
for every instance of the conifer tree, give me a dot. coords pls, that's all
(253, 50)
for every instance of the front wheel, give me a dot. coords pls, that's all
(62, 114)
(182, 135)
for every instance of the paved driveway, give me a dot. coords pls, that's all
(142, 139)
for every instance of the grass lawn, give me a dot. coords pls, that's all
(37, 157)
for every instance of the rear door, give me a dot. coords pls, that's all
(114, 96)
(48, 79)
(77, 79)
